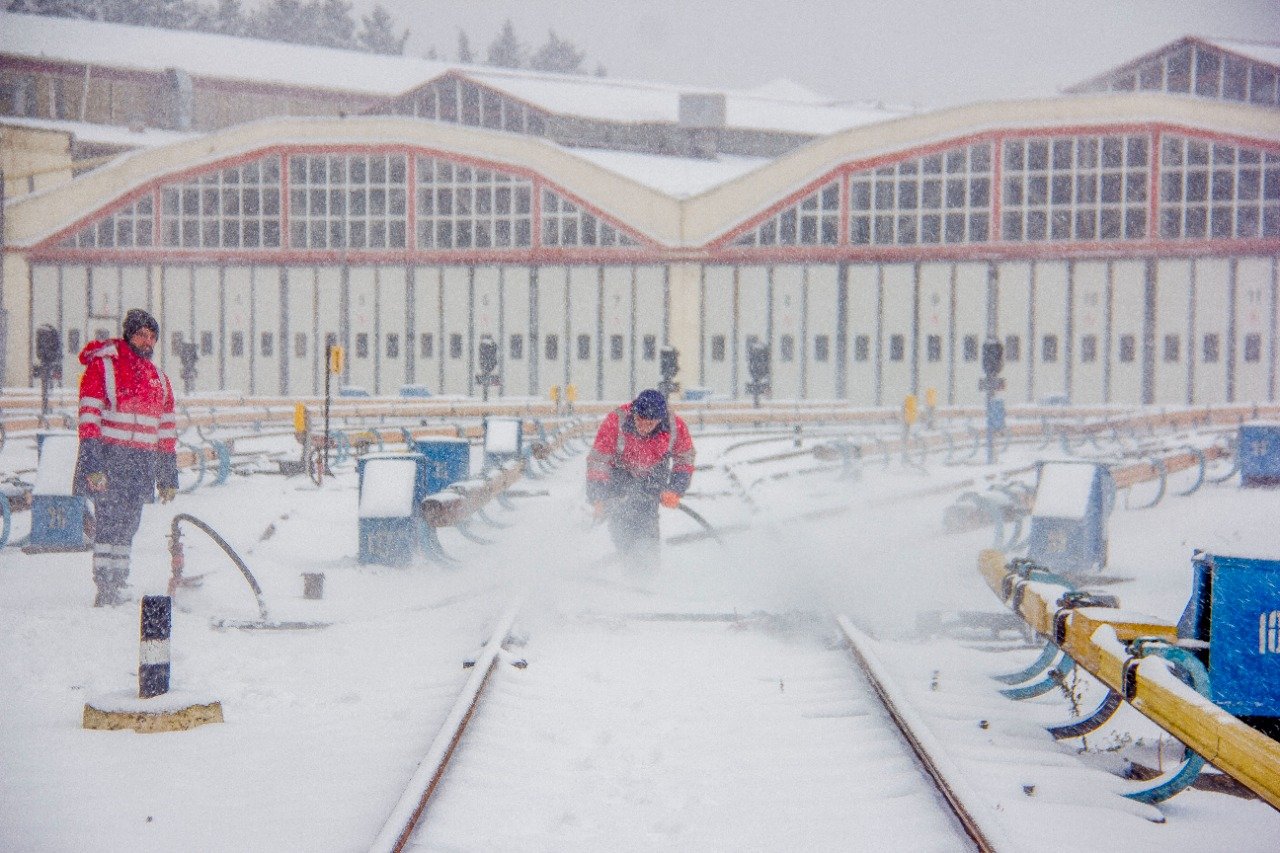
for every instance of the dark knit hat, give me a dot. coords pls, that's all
(650, 405)
(138, 319)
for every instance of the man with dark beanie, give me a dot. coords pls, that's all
(642, 458)
(128, 439)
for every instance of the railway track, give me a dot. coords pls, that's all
(688, 731)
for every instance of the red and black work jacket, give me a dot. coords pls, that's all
(127, 425)
(621, 458)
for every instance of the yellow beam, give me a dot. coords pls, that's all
(1096, 638)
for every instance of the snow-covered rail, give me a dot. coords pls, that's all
(689, 730)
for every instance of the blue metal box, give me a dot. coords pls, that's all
(448, 461)
(1235, 606)
(1259, 449)
(503, 441)
(392, 486)
(1069, 516)
(58, 517)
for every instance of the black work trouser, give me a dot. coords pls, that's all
(117, 514)
(633, 524)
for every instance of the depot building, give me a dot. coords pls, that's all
(266, 200)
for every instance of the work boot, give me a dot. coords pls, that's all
(122, 592)
(102, 579)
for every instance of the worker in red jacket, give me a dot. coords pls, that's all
(127, 445)
(642, 457)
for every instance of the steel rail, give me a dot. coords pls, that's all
(987, 835)
(403, 820)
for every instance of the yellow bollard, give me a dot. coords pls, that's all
(909, 411)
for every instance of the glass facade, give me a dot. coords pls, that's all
(129, 227)
(813, 221)
(941, 198)
(567, 224)
(347, 201)
(1075, 188)
(1201, 70)
(463, 207)
(1217, 191)
(234, 208)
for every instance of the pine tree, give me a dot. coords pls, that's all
(464, 49)
(337, 27)
(229, 19)
(506, 51)
(557, 55)
(378, 34)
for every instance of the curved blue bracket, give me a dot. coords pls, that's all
(1053, 678)
(1091, 722)
(1200, 460)
(7, 516)
(1163, 471)
(1179, 778)
(224, 462)
(1032, 669)
(342, 445)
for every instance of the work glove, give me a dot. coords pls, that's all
(97, 481)
(167, 494)
(598, 510)
(670, 500)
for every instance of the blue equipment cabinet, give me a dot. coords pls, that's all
(503, 441)
(1259, 449)
(1069, 516)
(448, 461)
(1235, 608)
(392, 486)
(58, 517)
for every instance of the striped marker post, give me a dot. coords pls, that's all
(153, 651)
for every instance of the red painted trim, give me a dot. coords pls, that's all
(641, 255)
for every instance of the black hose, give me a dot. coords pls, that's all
(682, 506)
(235, 558)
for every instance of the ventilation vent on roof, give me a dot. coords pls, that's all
(703, 109)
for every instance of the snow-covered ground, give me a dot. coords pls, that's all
(324, 727)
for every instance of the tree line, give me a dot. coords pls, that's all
(321, 23)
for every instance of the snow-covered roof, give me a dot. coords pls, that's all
(780, 106)
(678, 177)
(101, 134)
(210, 55)
(1264, 52)
(631, 101)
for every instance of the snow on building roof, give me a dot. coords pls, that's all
(780, 106)
(631, 101)
(209, 55)
(1265, 52)
(102, 134)
(678, 177)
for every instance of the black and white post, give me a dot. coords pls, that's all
(153, 651)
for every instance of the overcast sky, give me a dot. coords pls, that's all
(926, 52)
